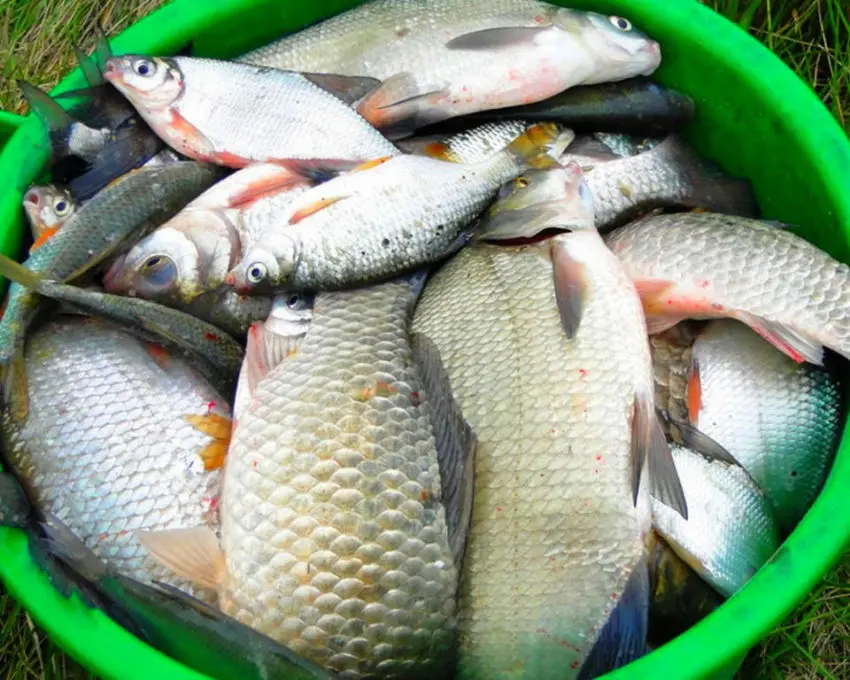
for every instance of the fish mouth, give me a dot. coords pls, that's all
(112, 279)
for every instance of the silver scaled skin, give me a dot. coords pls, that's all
(113, 441)
(555, 533)
(335, 539)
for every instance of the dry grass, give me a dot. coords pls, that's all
(812, 36)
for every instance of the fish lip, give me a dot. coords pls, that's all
(111, 279)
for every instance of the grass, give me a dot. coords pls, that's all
(811, 36)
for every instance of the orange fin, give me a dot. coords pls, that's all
(159, 354)
(694, 393)
(194, 554)
(48, 233)
(219, 428)
(371, 164)
(229, 160)
(440, 151)
(263, 188)
(570, 279)
(313, 208)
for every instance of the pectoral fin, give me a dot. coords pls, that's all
(570, 279)
(787, 340)
(349, 89)
(313, 207)
(456, 443)
(398, 107)
(193, 553)
(497, 38)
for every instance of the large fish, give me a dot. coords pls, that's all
(346, 494)
(236, 114)
(447, 58)
(781, 420)
(730, 531)
(387, 219)
(121, 435)
(706, 265)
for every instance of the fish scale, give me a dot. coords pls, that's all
(333, 534)
(554, 534)
(105, 446)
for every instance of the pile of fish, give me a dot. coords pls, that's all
(449, 359)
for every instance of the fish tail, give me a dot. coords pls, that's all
(539, 146)
(42, 104)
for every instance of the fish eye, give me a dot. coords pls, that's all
(144, 67)
(152, 262)
(621, 23)
(257, 273)
(521, 182)
(61, 207)
(293, 301)
(159, 272)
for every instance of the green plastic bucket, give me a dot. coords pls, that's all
(755, 117)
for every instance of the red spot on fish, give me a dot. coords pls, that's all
(211, 336)
(551, 558)
(613, 596)
(669, 301)
(582, 372)
(596, 471)
(574, 664)
(717, 306)
(598, 457)
(210, 406)
(540, 19)
(415, 399)
(498, 509)
(103, 537)
(423, 496)
(124, 532)
(703, 284)
(214, 504)
(254, 464)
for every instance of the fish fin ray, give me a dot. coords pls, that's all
(349, 89)
(312, 208)
(42, 104)
(623, 637)
(699, 442)
(194, 554)
(787, 340)
(91, 71)
(398, 107)
(539, 146)
(263, 188)
(570, 279)
(456, 443)
(497, 38)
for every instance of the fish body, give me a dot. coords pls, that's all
(47, 208)
(705, 265)
(781, 420)
(342, 528)
(730, 531)
(127, 209)
(387, 219)
(116, 438)
(667, 175)
(446, 58)
(236, 114)
(556, 533)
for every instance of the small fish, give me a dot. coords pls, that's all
(127, 209)
(780, 419)
(379, 498)
(730, 531)
(638, 106)
(391, 217)
(558, 473)
(471, 145)
(705, 265)
(119, 436)
(236, 114)
(217, 355)
(679, 598)
(47, 208)
(669, 175)
(447, 58)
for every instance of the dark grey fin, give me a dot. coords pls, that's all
(89, 67)
(496, 38)
(701, 443)
(456, 443)
(102, 48)
(54, 116)
(787, 340)
(350, 89)
(417, 281)
(570, 287)
(524, 223)
(623, 637)
(397, 107)
(319, 170)
(15, 509)
(649, 446)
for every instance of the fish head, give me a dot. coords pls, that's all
(47, 207)
(263, 268)
(619, 50)
(163, 266)
(150, 83)
(289, 319)
(554, 198)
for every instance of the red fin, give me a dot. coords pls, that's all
(159, 354)
(314, 207)
(790, 342)
(48, 233)
(230, 160)
(268, 186)
(694, 393)
(397, 108)
(219, 428)
(440, 151)
(191, 142)
(371, 164)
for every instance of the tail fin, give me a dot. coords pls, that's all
(91, 71)
(54, 116)
(540, 146)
